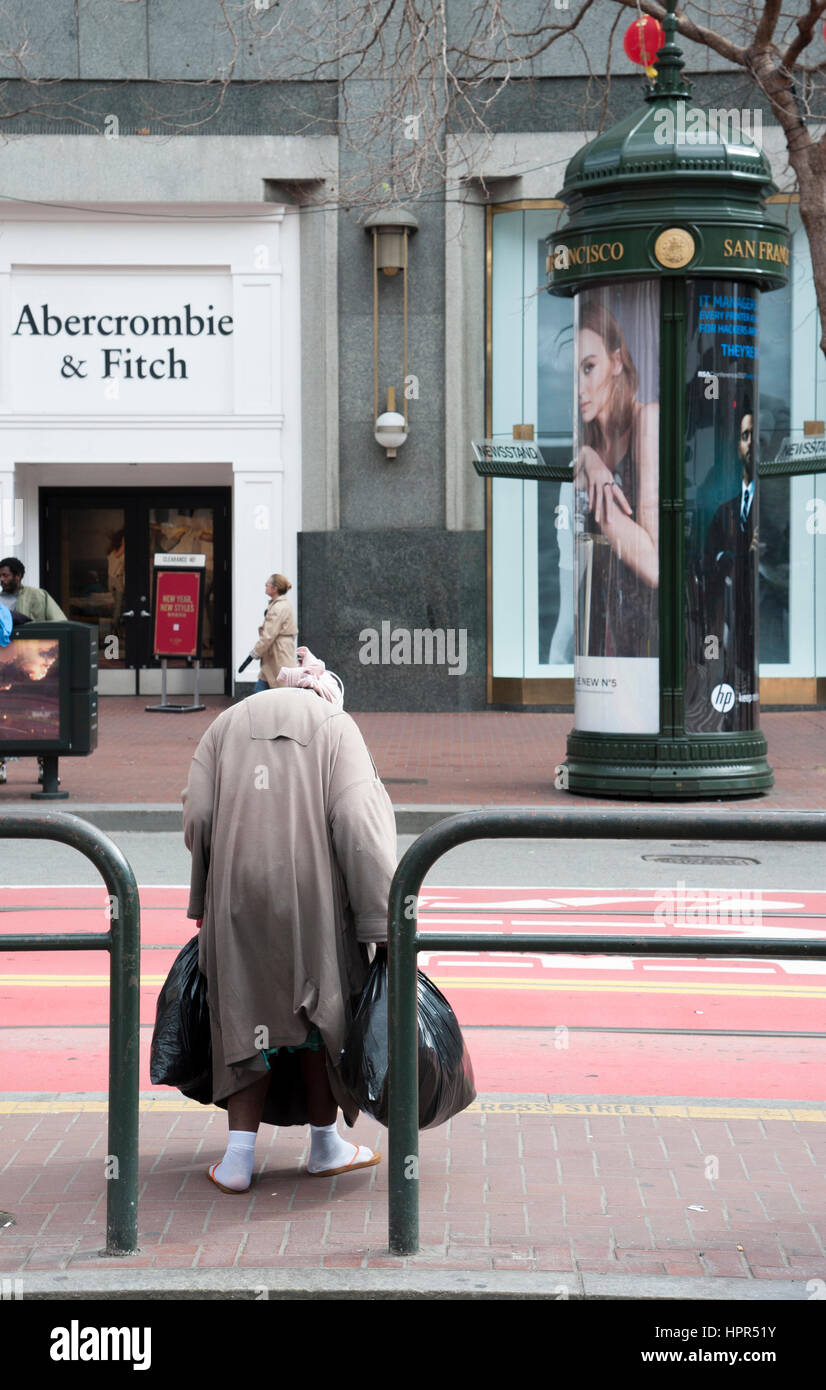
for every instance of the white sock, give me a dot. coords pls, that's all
(235, 1169)
(328, 1149)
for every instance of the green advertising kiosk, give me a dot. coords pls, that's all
(666, 250)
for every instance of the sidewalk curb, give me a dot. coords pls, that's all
(411, 819)
(360, 1284)
(166, 817)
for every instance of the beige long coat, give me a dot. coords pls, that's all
(293, 844)
(276, 645)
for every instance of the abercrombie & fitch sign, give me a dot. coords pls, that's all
(122, 361)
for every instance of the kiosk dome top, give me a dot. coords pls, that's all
(670, 137)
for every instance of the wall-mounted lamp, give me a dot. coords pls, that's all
(391, 427)
(390, 230)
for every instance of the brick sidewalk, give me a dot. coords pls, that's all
(508, 1185)
(489, 758)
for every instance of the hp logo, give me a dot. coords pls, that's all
(722, 698)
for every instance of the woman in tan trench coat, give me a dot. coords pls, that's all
(275, 647)
(293, 844)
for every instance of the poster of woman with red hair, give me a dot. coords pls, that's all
(616, 482)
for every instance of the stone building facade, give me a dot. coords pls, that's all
(160, 171)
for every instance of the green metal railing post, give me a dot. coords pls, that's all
(122, 941)
(403, 1057)
(405, 942)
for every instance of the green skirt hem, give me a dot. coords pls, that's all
(312, 1043)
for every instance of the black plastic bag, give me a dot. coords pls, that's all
(181, 1052)
(446, 1083)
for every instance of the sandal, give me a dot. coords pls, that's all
(231, 1191)
(355, 1162)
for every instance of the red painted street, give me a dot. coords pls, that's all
(563, 1025)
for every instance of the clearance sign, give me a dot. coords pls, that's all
(178, 606)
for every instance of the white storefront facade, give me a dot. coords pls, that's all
(150, 399)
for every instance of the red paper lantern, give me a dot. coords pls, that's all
(643, 40)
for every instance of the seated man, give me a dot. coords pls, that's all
(23, 598)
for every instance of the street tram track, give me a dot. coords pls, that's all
(520, 1028)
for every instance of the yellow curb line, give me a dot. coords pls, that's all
(572, 986)
(626, 1109)
(796, 1114)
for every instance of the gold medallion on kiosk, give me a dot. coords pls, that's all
(674, 248)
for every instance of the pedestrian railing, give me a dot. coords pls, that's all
(122, 941)
(404, 941)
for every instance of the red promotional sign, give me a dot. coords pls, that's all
(177, 610)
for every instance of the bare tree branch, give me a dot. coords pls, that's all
(767, 25)
(806, 28)
(547, 34)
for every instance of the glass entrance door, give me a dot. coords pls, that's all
(97, 551)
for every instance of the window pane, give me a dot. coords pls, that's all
(555, 397)
(92, 574)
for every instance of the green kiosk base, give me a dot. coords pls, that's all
(673, 769)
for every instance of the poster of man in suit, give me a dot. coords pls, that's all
(730, 569)
(722, 534)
